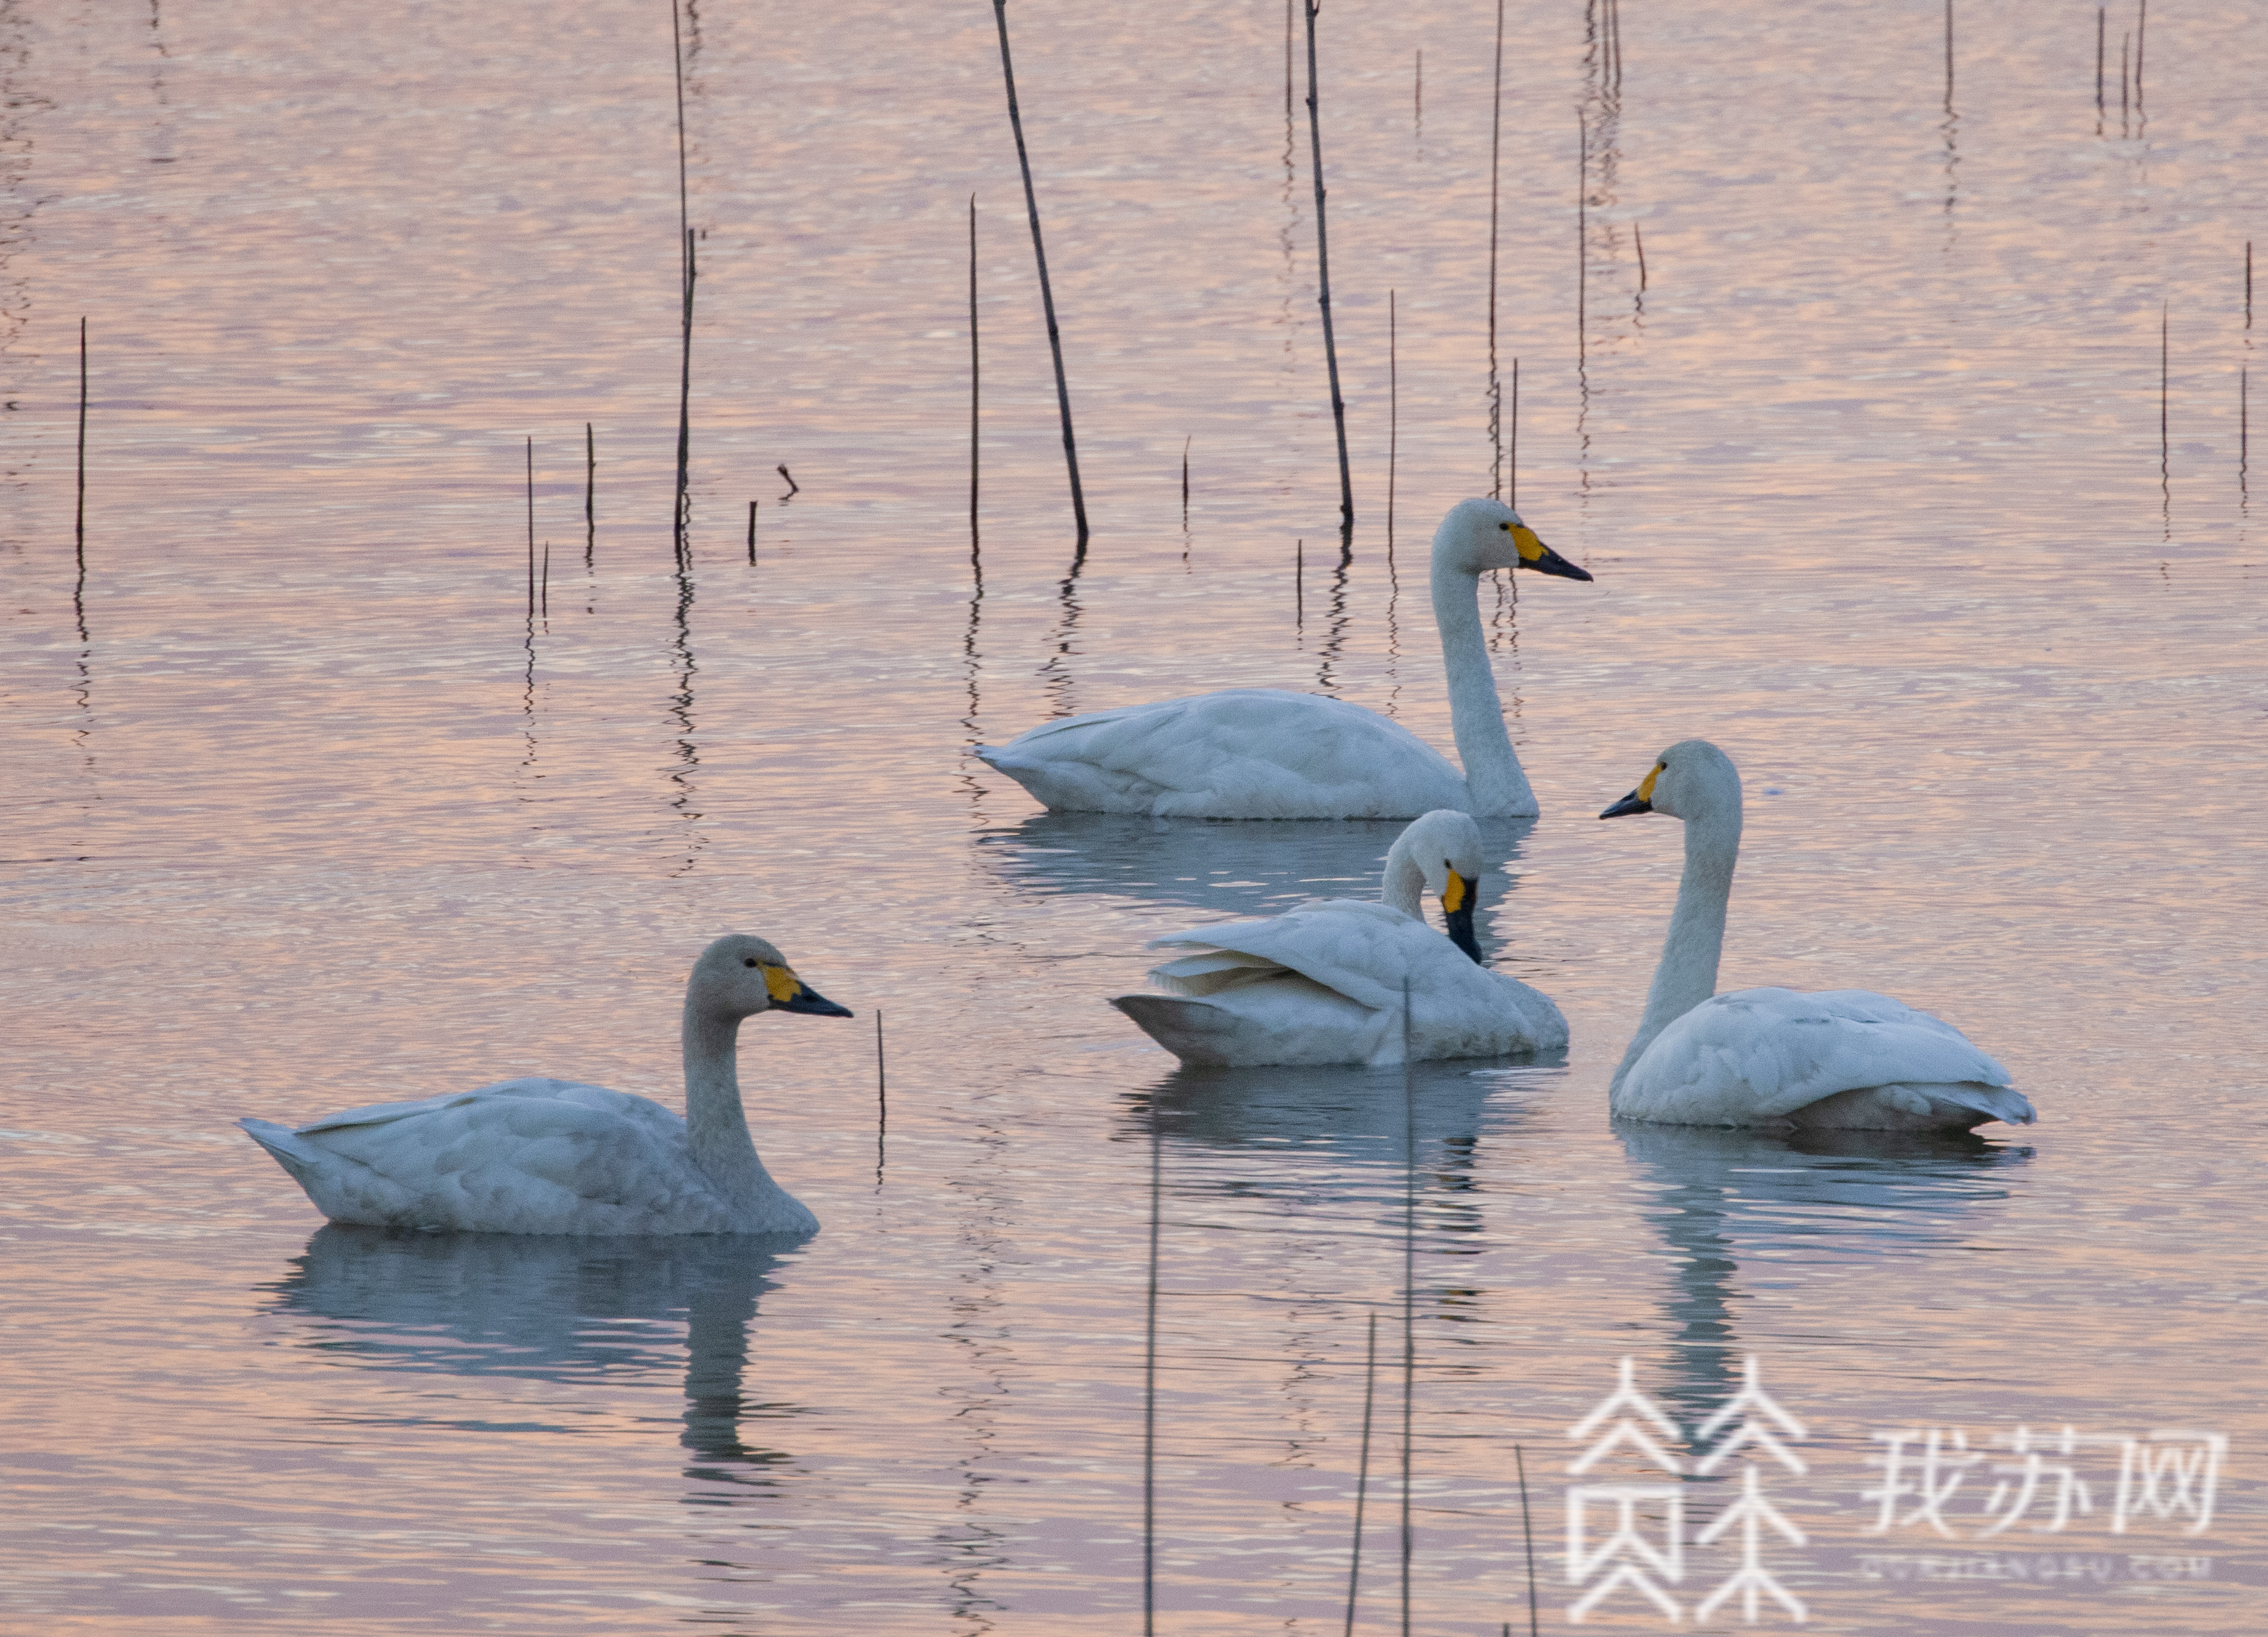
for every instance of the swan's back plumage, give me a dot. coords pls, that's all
(532, 1156)
(1323, 984)
(1246, 753)
(1844, 1057)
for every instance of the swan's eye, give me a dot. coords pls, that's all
(751, 960)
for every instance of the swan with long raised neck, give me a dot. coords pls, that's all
(1778, 1058)
(1265, 753)
(1326, 983)
(554, 1156)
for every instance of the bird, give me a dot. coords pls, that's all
(1776, 1059)
(1332, 982)
(1268, 753)
(536, 1155)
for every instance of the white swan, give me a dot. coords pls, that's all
(1777, 1059)
(1264, 753)
(552, 1156)
(1324, 982)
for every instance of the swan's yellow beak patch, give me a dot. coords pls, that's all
(1646, 786)
(780, 984)
(1455, 894)
(1531, 548)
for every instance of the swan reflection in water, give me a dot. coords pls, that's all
(1727, 1201)
(1222, 866)
(567, 1309)
(1313, 1139)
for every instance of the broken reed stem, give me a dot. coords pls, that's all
(793, 488)
(1527, 1534)
(1300, 585)
(881, 1072)
(1948, 56)
(685, 290)
(975, 370)
(2102, 23)
(1409, 1288)
(1047, 289)
(1185, 478)
(531, 529)
(1324, 281)
(80, 527)
(1496, 148)
(1362, 1470)
(685, 408)
(752, 533)
(2141, 27)
(590, 493)
(546, 603)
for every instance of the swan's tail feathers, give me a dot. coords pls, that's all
(1199, 1035)
(341, 1189)
(2005, 1103)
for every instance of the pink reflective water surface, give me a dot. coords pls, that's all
(304, 812)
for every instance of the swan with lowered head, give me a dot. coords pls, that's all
(1325, 983)
(1777, 1059)
(552, 1156)
(1265, 753)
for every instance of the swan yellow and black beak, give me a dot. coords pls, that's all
(791, 993)
(1535, 555)
(1458, 900)
(1638, 800)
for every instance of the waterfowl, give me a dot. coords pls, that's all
(1326, 983)
(1266, 752)
(536, 1155)
(1778, 1058)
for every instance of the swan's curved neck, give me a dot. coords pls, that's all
(1403, 886)
(1494, 776)
(717, 1128)
(1687, 973)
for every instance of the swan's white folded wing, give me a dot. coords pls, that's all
(530, 1155)
(1360, 950)
(1763, 1053)
(1241, 752)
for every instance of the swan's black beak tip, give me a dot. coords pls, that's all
(1460, 931)
(1630, 804)
(1552, 562)
(811, 1003)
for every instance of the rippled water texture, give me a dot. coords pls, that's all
(1902, 421)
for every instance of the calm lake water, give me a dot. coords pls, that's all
(1904, 426)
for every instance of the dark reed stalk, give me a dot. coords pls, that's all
(881, 1099)
(1637, 238)
(546, 603)
(975, 371)
(1948, 56)
(2244, 391)
(1047, 289)
(685, 292)
(1527, 1534)
(793, 488)
(2165, 393)
(2102, 23)
(752, 533)
(531, 529)
(1496, 149)
(1409, 1290)
(1300, 585)
(1185, 478)
(2141, 27)
(2125, 52)
(1362, 1470)
(1418, 99)
(1393, 414)
(1323, 282)
(685, 407)
(1150, 1390)
(80, 527)
(590, 494)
